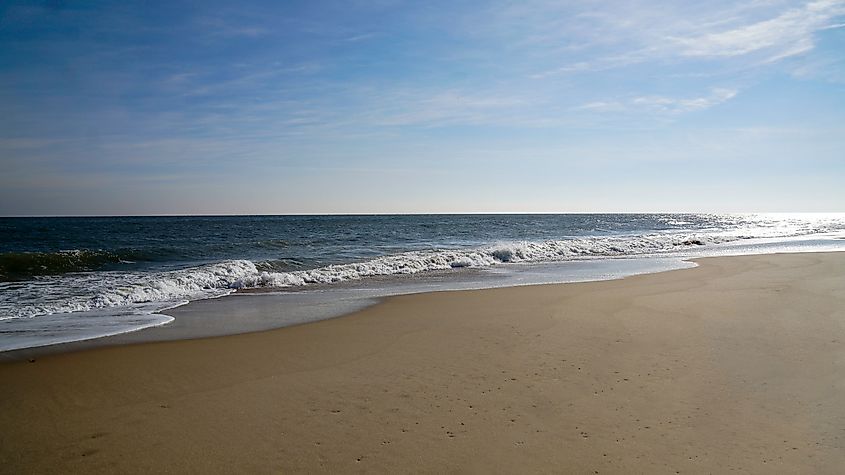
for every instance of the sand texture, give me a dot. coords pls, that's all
(737, 365)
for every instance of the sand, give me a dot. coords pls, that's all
(736, 365)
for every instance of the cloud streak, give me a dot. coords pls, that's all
(788, 34)
(662, 104)
(625, 35)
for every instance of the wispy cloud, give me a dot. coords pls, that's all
(602, 106)
(787, 34)
(662, 104)
(597, 64)
(833, 27)
(677, 105)
(219, 26)
(360, 37)
(446, 107)
(625, 35)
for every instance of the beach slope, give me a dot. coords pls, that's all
(738, 364)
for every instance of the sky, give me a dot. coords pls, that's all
(387, 106)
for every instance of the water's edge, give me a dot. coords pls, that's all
(213, 317)
(65, 280)
(247, 312)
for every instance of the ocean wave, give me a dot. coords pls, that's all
(85, 292)
(280, 264)
(512, 252)
(24, 265)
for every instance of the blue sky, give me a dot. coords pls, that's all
(393, 106)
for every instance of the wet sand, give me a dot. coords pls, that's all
(738, 364)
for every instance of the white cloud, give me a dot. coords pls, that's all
(360, 37)
(675, 105)
(231, 27)
(603, 106)
(833, 27)
(615, 35)
(446, 107)
(662, 104)
(787, 34)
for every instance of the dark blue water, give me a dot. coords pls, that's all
(47, 246)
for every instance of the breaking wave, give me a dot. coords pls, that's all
(92, 291)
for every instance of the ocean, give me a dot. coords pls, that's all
(67, 279)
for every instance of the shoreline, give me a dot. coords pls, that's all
(222, 316)
(735, 364)
(204, 318)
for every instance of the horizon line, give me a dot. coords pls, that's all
(448, 213)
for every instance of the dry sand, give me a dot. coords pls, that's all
(737, 365)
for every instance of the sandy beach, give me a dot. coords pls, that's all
(736, 365)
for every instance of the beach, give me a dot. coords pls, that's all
(735, 365)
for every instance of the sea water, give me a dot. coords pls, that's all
(68, 279)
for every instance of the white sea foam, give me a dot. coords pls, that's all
(74, 306)
(92, 291)
(152, 291)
